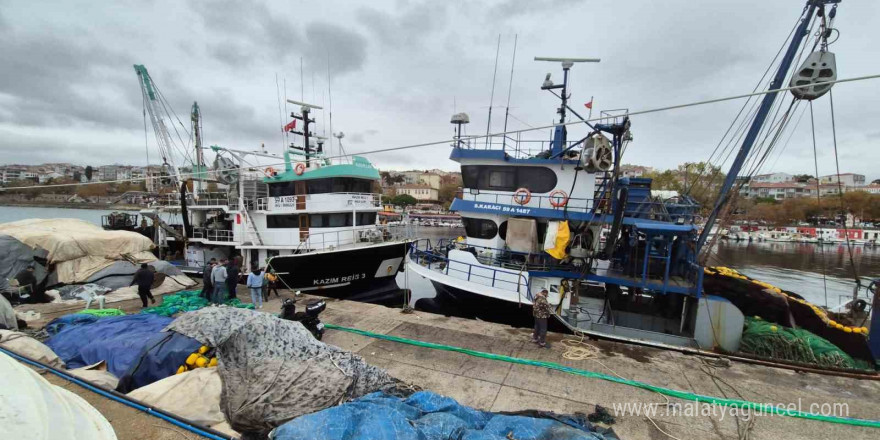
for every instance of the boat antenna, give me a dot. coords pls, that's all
(509, 88)
(302, 87)
(286, 137)
(560, 133)
(280, 112)
(492, 96)
(330, 100)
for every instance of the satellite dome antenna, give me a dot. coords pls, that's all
(560, 133)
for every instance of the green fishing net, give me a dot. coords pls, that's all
(767, 339)
(188, 301)
(102, 313)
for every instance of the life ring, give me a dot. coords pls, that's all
(270, 172)
(522, 196)
(299, 169)
(558, 198)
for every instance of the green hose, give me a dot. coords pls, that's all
(733, 403)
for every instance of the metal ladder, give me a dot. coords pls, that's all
(250, 225)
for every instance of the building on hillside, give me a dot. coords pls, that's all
(773, 178)
(872, 188)
(421, 178)
(634, 170)
(422, 193)
(779, 190)
(846, 179)
(45, 177)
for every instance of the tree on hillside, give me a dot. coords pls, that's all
(802, 177)
(876, 181)
(404, 200)
(89, 171)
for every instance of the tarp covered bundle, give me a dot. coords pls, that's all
(119, 341)
(78, 248)
(426, 415)
(160, 357)
(32, 408)
(16, 256)
(274, 370)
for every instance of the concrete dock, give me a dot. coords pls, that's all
(501, 386)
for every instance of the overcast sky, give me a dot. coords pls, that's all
(399, 69)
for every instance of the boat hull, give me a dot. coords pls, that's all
(365, 274)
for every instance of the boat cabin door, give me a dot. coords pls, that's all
(303, 227)
(300, 191)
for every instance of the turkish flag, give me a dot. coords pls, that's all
(290, 126)
(588, 105)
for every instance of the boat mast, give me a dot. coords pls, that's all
(196, 119)
(761, 116)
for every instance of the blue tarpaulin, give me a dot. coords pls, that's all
(119, 341)
(56, 325)
(428, 416)
(160, 358)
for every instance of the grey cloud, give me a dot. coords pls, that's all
(516, 8)
(409, 27)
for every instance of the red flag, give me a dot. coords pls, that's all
(589, 105)
(290, 126)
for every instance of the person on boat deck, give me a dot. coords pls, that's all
(233, 269)
(541, 311)
(144, 279)
(207, 285)
(218, 279)
(255, 285)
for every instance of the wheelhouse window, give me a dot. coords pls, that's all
(334, 220)
(479, 228)
(508, 178)
(323, 186)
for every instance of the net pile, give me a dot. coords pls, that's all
(188, 301)
(767, 339)
(102, 313)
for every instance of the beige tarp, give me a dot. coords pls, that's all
(77, 247)
(97, 374)
(194, 395)
(27, 346)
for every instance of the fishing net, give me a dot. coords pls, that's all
(102, 313)
(188, 301)
(767, 339)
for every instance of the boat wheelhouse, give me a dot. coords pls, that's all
(314, 222)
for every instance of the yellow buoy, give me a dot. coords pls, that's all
(191, 359)
(181, 369)
(201, 362)
(213, 362)
(203, 349)
(773, 328)
(848, 329)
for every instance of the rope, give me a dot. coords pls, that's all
(840, 191)
(818, 198)
(733, 403)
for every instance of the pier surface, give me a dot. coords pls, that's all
(501, 386)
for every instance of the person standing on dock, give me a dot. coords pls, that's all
(541, 311)
(272, 284)
(218, 279)
(207, 285)
(144, 279)
(232, 272)
(255, 286)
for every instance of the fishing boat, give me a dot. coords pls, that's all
(313, 221)
(534, 212)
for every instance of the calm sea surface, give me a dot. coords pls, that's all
(797, 267)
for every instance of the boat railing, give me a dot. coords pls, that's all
(334, 239)
(424, 253)
(223, 235)
(205, 199)
(505, 258)
(514, 146)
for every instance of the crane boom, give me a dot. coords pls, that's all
(153, 107)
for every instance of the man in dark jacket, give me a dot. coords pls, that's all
(232, 272)
(207, 285)
(541, 311)
(144, 280)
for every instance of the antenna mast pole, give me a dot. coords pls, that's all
(492, 96)
(509, 88)
(761, 116)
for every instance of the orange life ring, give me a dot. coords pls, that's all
(299, 169)
(270, 172)
(558, 198)
(522, 196)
